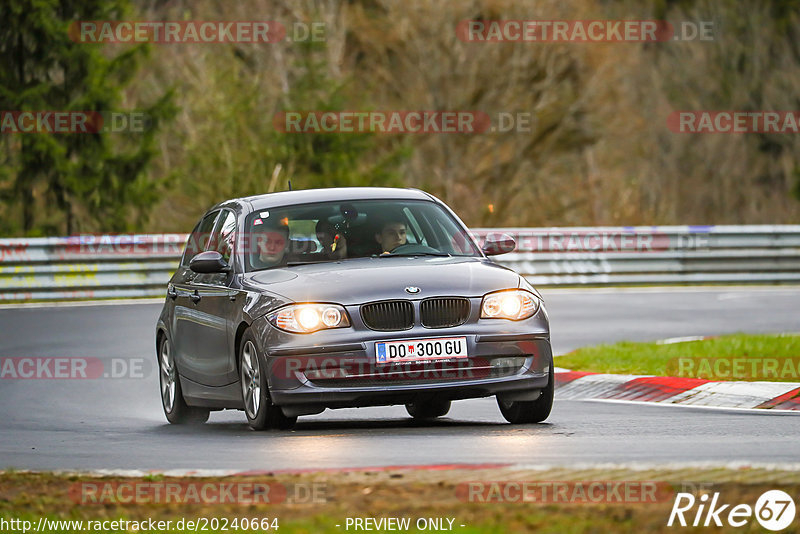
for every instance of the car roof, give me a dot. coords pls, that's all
(333, 194)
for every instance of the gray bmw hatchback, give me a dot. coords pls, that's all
(289, 303)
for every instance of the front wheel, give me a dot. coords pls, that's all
(536, 411)
(175, 407)
(261, 413)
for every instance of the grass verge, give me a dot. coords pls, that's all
(412, 495)
(747, 357)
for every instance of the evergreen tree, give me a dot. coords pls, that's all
(71, 182)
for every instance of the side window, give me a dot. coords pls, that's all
(199, 237)
(224, 235)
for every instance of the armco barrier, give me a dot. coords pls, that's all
(107, 266)
(655, 255)
(88, 267)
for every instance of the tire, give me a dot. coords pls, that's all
(261, 413)
(429, 409)
(175, 407)
(526, 412)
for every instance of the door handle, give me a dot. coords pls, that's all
(171, 293)
(196, 297)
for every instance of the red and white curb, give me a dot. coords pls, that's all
(578, 385)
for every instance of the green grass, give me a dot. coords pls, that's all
(732, 357)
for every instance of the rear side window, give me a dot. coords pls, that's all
(199, 237)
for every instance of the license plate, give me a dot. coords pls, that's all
(415, 350)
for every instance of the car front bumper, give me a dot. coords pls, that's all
(338, 368)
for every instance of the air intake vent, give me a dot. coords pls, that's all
(388, 315)
(444, 312)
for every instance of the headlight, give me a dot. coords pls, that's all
(307, 318)
(513, 304)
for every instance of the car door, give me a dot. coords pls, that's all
(210, 360)
(185, 324)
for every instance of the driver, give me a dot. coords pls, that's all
(392, 234)
(271, 245)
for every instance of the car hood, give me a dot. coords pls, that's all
(366, 279)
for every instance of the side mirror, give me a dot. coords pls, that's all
(498, 244)
(209, 261)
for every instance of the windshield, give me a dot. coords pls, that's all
(335, 231)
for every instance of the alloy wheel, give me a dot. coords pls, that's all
(251, 380)
(168, 377)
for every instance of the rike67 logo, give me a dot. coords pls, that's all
(774, 510)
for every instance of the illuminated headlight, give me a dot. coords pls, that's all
(514, 304)
(307, 318)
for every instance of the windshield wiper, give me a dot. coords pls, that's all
(411, 254)
(309, 262)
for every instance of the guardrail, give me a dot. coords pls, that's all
(118, 266)
(655, 255)
(88, 266)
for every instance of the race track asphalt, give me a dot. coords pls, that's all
(118, 423)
